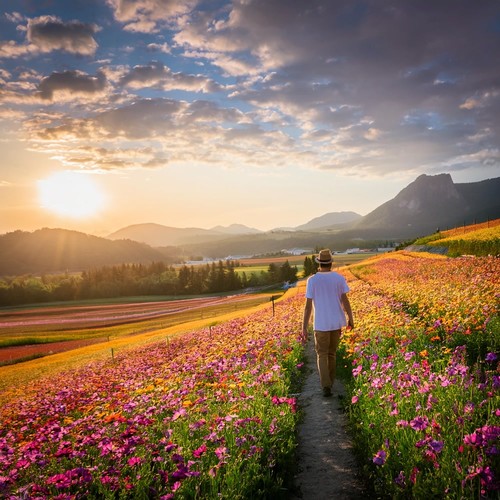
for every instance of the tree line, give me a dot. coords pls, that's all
(128, 280)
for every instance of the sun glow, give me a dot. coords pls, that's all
(70, 194)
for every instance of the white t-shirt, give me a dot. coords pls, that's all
(325, 289)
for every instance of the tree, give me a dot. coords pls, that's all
(308, 266)
(273, 274)
(288, 273)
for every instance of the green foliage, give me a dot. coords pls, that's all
(310, 266)
(129, 280)
(428, 239)
(479, 248)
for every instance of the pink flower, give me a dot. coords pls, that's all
(134, 461)
(357, 370)
(221, 452)
(199, 451)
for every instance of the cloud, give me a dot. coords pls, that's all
(69, 83)
(145, 15)
(49, 33)
(159, 47)
(388, 87)
(156, 132)
(159, 76)
(12, 50)
(346, 86)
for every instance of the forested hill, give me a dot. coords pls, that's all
(55, 250)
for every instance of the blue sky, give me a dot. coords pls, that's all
(266, 112)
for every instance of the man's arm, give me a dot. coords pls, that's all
(307, 316)
(347, 308)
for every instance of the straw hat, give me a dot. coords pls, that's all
(324, 257)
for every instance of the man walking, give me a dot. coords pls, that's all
(326, 292)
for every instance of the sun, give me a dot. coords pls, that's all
(70, 194)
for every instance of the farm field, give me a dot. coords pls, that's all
(297, 260)
(212, 413)
(32, 332)
(258, 265)
(476, 239)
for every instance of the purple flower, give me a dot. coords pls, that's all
(437, 446)
(469, 408)
(419, 423)
(400, 480)
(380, 457)
(60, 481)
(409, 355)
(491, 357)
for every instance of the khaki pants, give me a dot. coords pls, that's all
(326, 344)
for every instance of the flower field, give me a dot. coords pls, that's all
(207, 415)
(425, 405)
(477, 239)
(212, 413)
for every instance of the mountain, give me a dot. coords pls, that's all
(433, 202)
(329, 220)
(58, 250)
(426, 204)
(157, 235)
(236, 229)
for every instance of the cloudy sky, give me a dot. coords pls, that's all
(261, 112)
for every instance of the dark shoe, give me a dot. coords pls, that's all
(327, 392)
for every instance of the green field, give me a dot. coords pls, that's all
(259, 265)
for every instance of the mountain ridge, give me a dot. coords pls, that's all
(159, 235)
(434, 202)
(425, 205)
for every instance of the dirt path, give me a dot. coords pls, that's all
(327, 467)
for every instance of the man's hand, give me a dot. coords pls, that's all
(304, 335)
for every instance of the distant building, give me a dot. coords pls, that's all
(298, 251)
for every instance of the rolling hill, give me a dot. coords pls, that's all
(157, 235)
(60, 250)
